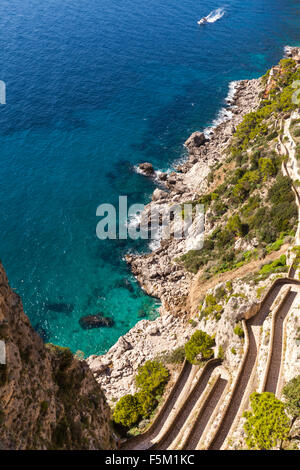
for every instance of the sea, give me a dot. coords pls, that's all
(92, 89)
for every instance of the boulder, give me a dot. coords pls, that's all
(123, 345)
(99, 366)
(159, 194)
(147, 169)
(163, 176)
(248, 311)
(195, 140)
(152, 330)
(95, 321)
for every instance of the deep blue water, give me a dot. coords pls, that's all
(93, 88)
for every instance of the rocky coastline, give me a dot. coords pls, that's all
(158, 273)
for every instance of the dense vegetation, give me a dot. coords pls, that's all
(199, 347)
(291, 393)
(271, 420)
(267, 424)
(255, 202)
(150, 382)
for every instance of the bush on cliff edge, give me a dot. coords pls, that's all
(199, 347)
(150, 381)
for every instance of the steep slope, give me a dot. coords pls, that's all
(48, 399)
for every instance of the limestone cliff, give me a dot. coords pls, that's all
(48, 398)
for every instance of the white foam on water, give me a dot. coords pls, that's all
(156, 237)
(224, 114)
(138, 170)
(134, 221)
(232, 91)
(214, 16)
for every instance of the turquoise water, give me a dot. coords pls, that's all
(93, 88)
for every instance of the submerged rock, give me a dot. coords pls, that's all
(60, 307)
(95, 321)
(124, 284)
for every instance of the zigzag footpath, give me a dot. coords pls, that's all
(205, 414)
(183, 396)
(274, 364)
(191, 408)
(273, 372)
(247, 367)
(144, 441)
(177, 424)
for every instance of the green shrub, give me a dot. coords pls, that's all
(212, 308)
(229, 286)
(152, 377)
(221, 353)
(151, 380)
(234, 225)
(127, 411)
(147, 403)
(272, 136)
(275, 246)
(260, 291)
(291, 393)
(177, 356)
(280, 191)
(199, 347)
(63, 355)
(266, 167)
(267, 424)
(277, 266)
(220, 293)
(238, 330)
(296, 260)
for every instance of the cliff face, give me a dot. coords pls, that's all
(48, 399)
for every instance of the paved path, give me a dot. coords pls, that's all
(200, 425)
(253, 326)
(143, 441)
(275, 364)
(186, 409)
(239, 391)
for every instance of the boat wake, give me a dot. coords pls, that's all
(213, 16)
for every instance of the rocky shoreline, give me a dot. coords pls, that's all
(158, 273)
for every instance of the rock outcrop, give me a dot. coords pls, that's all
(195, 140)
(158, 272)
(48, 398)
(146, 169)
